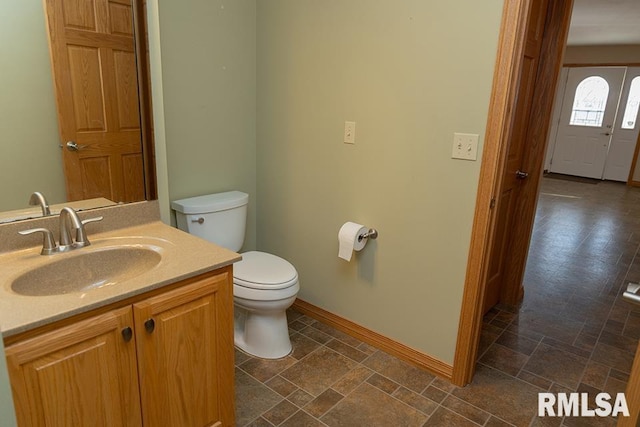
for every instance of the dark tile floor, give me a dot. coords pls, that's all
(573, 332)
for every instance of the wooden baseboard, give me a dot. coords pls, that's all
(375, 339)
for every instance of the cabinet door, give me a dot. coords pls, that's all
(185, 354)
(79, 375)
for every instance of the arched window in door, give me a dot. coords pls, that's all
(630, 117)
(590, 102)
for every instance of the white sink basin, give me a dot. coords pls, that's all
(85, 269)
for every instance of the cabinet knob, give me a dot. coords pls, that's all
(127, 334)
(150, 325)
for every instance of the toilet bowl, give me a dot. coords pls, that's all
(264, 285)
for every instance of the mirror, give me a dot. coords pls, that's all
(31, 159)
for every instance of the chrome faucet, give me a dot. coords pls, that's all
(69, 217)
(69, 221)
(38, 199)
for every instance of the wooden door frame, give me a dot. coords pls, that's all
(141, 40)
(500, 122)
(632, 394)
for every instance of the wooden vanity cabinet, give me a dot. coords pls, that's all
(185, 353)
(81, 374)
(161, 360)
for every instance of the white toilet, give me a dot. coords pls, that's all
(264, 285)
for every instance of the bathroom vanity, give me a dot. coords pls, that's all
(153, 348)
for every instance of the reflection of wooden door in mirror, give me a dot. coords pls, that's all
(94, 69)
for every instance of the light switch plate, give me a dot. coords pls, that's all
(349, 132)
(465, 146)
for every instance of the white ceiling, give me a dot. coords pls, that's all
(604, 22)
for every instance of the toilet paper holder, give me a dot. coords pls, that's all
(371, 234)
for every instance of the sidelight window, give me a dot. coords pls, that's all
(630, 117)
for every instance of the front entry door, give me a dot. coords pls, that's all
(586, 121)
(94, 69)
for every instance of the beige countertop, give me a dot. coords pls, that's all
(182, 256)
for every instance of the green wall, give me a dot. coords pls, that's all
(30, 159)
(208, 57)
(410, 73)
(253, 96)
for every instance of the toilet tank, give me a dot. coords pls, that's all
(219, 218)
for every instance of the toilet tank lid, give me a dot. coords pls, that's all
(211, 202)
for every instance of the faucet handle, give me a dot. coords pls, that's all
(81, 236)
(48, 242)
(88, 220)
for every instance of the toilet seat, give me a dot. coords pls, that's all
(264, 271)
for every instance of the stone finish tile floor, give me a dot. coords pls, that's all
(573, 332)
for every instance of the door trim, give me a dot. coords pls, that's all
(141, 41)
(502, 104)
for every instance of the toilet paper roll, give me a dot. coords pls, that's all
(348, 239)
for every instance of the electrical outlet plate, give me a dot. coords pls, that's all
(465, 146)
(349, 132)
